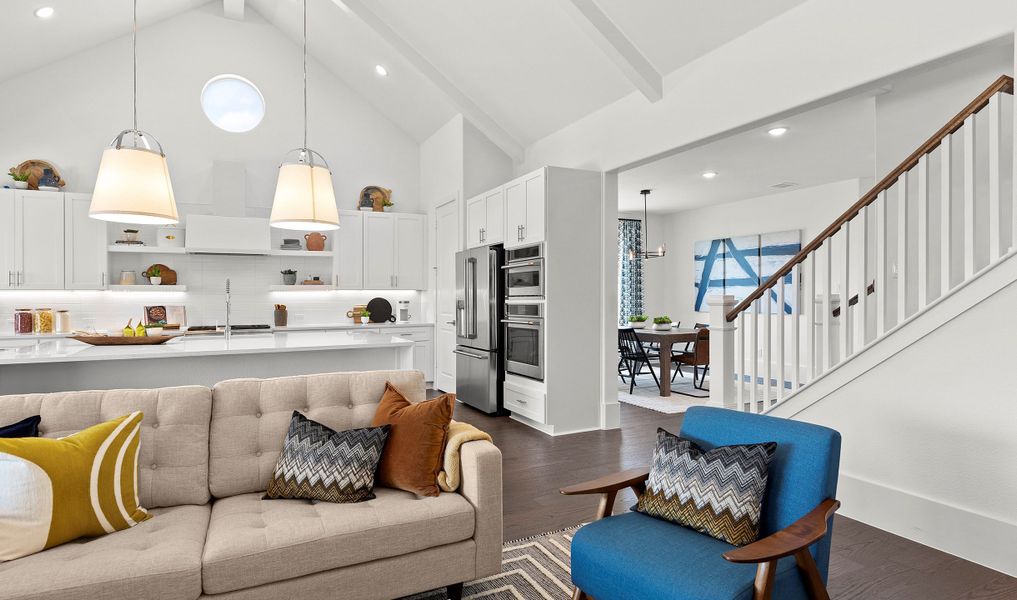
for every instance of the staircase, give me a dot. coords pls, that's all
(923, 244)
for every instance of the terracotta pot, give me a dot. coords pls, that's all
(315, 241)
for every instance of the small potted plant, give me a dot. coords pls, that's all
(154, 275)
(638, 321)
(662, 323)
(365, 317)
(20, 177)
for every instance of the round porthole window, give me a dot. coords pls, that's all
(232, 103)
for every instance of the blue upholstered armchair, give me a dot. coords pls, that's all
(634, 556)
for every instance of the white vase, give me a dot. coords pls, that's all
(21, 185)
(662, 326)
(156, 280)
(637, 324)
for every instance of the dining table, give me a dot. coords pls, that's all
(666, 339)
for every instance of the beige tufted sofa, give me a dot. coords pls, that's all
(205, 459)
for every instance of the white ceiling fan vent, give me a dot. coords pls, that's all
(783, 185)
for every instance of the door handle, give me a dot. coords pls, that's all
(470, 355)
(452, 322)
(522, 232)
(10, 278)
(19, 279)
(102, 279)
(518, 322)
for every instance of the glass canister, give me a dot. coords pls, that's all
(23, 323)
(43, 320)
(62, 324)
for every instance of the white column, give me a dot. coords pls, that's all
(722, 360)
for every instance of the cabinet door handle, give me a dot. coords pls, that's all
(522, 232)
(19, 278)
(10, 278)
(102, 279)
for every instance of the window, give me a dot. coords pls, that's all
(232, 103)
(630, 272)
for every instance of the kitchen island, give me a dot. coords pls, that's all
(58, 365)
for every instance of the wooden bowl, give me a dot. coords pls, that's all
(121, 340)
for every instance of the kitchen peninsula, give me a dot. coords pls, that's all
(64, 365)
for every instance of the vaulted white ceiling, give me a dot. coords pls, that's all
(518, 69)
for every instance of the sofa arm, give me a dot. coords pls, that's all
(480, 463)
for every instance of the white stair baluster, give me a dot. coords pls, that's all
(827, 304)
(902, 248)
(740, 336)
(754, 347)
(768, 348)
(882, 281)
(996, 248)
(863, 285)
(845, 296)
(796, 313)
(969, 197)
(780, 339)
(945, 215)
(809, 304)
(923, 231)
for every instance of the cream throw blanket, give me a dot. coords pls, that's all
(458, 434)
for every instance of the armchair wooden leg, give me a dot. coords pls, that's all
(454, 591)
(763, 588)
(811, 576)
(606, 505)
(579, 594)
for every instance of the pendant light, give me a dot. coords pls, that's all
(646, 254)
(133, 184)
(304, 199)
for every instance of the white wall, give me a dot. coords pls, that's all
(68, 111)
(485, 165)
(669, 281)
(929, 435)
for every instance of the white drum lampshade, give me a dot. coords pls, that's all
(133, 186)
(304, 198)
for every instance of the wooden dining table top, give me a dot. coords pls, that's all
(675, 334)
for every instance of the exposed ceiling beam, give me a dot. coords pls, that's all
(480, 119)
(233, 9)
(622, 52)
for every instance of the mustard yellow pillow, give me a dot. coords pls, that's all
(55, 490)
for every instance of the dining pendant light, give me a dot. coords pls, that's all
(304, 198)
(646, 254)
(133, 184)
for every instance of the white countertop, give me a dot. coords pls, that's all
(64, 350)
(298, 327)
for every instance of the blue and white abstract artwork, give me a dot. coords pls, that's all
(737, 266)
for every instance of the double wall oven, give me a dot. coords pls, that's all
(523, 325)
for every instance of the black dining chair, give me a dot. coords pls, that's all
(633, 357)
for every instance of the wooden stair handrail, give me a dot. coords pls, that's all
(1003, 84)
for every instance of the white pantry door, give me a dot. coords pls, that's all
(446, 229)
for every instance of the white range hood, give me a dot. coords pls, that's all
(208, 234)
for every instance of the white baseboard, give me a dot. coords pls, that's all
(986, 540)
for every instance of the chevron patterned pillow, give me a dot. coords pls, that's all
(718, 492)
(319, 463)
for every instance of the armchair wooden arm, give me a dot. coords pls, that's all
(794, 539)
(608, 486)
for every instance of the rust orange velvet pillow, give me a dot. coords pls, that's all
(415, 446)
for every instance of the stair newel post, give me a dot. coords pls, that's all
(722, 356)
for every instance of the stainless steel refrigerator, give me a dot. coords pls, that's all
(479, 370)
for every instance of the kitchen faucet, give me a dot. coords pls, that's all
(228, 328)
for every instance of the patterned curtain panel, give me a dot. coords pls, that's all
(630, 272)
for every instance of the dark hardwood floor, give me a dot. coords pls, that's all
(867, 563)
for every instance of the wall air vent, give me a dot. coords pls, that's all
(783, 185)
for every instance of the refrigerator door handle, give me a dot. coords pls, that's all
(469, 354)
(471, 298)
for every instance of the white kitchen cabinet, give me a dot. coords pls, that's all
(394, 251)
(32, 245)
(423, 347)
(8, 267)
(348, 251)
(485, 219)
(524, 210)
(85, 258)
(410, 252)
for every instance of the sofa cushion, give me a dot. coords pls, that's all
(319, 463)
(173, 463)
(27, 427)
(416, 444)
(250, 418)
(253, 541)
(160, 558)
(634, 557)
(55, 491)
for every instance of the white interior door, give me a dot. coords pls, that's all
(446, 229)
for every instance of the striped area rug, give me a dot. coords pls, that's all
(535, 568)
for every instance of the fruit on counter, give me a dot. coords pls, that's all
(129, 329)
(140, 330)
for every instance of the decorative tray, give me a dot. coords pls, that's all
(120, 340)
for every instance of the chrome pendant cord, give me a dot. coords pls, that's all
(305, 77)
(134, 43)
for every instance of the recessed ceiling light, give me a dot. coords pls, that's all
(380, 70)
(45, 12)
(709, 174)
(777, 131)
